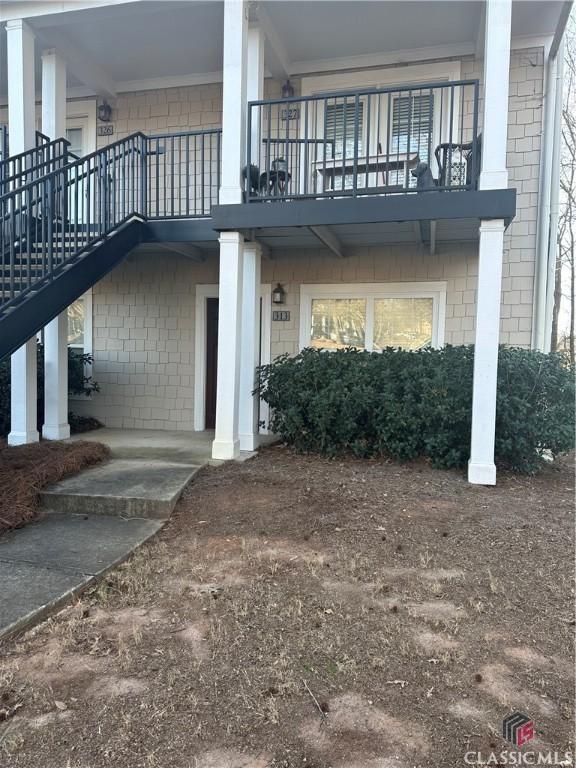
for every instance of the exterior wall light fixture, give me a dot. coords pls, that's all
(105, 112)
(278, 295)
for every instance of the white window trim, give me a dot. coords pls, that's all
(382, 78)
(211, 291)
(422, 290)
(88, 345)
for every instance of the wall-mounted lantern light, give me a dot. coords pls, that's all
(105, 112)
(278, 295)
(287, 90)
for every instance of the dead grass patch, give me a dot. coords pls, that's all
(398, 594)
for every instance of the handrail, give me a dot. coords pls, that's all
(36, 149)
(364, 92)
(80, 160)
(47, 222)
(17, 170)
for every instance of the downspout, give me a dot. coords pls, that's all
(554, 199)
(543, 223)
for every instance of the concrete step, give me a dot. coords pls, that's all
(127, 488)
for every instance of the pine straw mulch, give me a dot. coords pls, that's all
(26, 469)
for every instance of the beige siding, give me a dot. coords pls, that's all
(457, 265)
(143, 342)
(144, 314)
(523, 161)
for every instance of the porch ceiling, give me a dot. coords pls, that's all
(135, 41)
(351, 236)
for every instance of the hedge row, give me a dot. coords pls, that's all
(408, 404)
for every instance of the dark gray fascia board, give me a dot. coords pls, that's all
(431, 206)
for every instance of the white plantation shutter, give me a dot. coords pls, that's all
(339, 126)
(412, 116)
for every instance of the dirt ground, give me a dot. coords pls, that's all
(300, 612)
(26, 469)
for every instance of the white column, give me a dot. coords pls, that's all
(234, 100)
(21, 86)
(481, 467)
(22, 136)
(56, 425)
(53, 94)
(496, 77)
(255, 81)
(250, 347)
(493, 175)
(23, 392)
(226, 443)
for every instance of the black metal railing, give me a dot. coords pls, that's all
(183, 173)
(20, 169)
(48, 221)
(43, 158)
(3, 142)
(374, 141)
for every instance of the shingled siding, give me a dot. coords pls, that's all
(523, 161)
(144, 310)
(144, 314)
(143, 342)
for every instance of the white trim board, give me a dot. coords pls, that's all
(382, 78)
(211, 291)
(434, 290)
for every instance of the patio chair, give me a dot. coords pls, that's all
(456, 163)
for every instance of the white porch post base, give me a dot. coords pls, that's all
(56, 432)
(56, 425)
(481, 474)
(23, 390)
(225, 450)
(249, 356)
(226, 443)
(481, 467)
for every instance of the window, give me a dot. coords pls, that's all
(80, 324)
(340, 126)
(372, 316)
(76, 138)
(338, 323)
(412, 129)
(403, 322)
(76, 324)
(340, 129)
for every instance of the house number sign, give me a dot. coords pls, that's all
(280, 314)
(105, 130)
(290, 113)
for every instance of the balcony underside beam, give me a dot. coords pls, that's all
(327, 237)
(486, 204)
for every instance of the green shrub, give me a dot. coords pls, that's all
(78, 383)
(409, 404)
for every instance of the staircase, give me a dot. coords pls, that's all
(66, 222)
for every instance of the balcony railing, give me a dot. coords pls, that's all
(417, 138)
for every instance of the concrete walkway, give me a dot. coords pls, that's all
(89, 524)
(43, 565)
